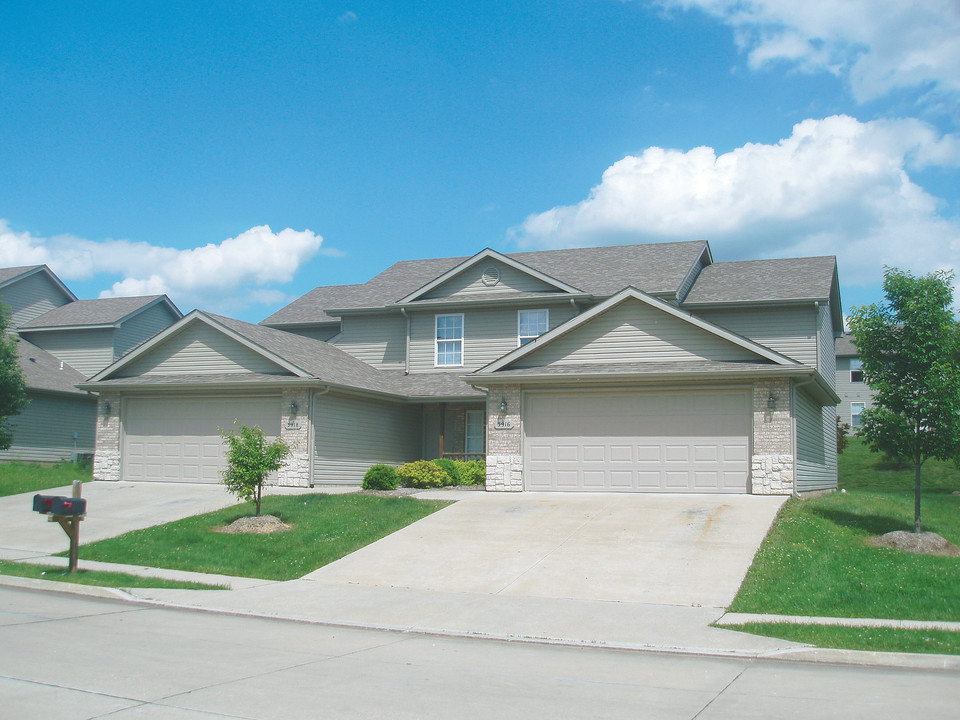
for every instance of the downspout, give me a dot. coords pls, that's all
(311, 436)
(406, 349)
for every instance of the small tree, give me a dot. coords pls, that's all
(249, 460)
(13, 391)
(910, 349)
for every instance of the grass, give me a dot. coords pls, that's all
(325, 528)
(97, 577)
(940, 642)
(18, 478)
(860, 469)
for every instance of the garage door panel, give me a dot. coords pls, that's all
(670, 441)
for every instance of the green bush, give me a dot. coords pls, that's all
(450, 468)
(471, 472)
(422, 474)
(381, 477)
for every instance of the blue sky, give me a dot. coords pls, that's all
(236, 155)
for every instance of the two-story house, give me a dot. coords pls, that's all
(62, 341)
(855, 395)
(638, 368)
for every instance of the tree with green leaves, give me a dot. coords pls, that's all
(13, 390)
(910, 349)
(249, 460)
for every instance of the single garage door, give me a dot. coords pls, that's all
(178, 439)
(637, 441)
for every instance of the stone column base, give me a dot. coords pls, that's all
(504, 473)
(772, 474)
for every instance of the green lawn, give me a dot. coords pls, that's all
(860, 469)
(18, 478)
(876, 639)
(325, 528)
(96, 577)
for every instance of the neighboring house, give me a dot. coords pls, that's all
(855, 395)
(62, 341)
(640, 368)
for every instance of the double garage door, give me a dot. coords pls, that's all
(638, 441)
(178, 440)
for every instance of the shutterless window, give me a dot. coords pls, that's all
(856, 370)
(531, 324)
(855, 411)
(473, 432)
(449, 350)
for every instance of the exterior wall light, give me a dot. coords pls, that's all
(771, 402)
(503, 405)
(294, 407)
(106, 407)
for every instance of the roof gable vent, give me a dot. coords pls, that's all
(491, 275)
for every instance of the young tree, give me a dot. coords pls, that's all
(910, 349)
(249, 460)
(13, 391)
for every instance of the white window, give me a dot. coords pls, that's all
(856, 370)
(449, 350)
(531, 324)
(473, 438)
(855, 410)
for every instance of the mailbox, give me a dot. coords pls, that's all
(57, 505)
(43, 503)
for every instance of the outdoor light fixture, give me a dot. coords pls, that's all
(293, 407)
(106, 407)
(771, 402)
(503, 405)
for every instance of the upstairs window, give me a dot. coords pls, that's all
(856, 409)
(856, 370)
(531, 324)
(449, 335)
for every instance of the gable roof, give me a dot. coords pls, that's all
(101, 312)
(845, 346)
(42, 371)
(583, 318)
(809, 278)
(11, 275)
(657, 268)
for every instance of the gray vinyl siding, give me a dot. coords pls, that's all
(850, 392)
(31, 297)
(488, 334)
(140, 328)
(791, 330)
(89, 351)
(43, 431)
(635, 332)
(351, 434)
(816, 444)
(378, 340)
(469, 283)
(826, 358)
(200, 350)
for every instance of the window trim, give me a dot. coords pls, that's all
(863, 406)
(531, 338)
(437, 341)
(482, 426)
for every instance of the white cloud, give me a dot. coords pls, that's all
(215, 276)
(880, 45)
(836, 186)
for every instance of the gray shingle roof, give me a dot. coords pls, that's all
(759, 280)
(602, 271)
(102, 311)
(42, 371)
(845, 346)
(613, 371)
(10, 273)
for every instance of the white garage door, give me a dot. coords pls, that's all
(178, 440)
(637, 441)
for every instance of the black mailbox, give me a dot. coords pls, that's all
(56, 505)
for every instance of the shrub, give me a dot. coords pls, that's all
(421, 474)
(843, 431)
(471, 472)
(450, 468)
(381, 477)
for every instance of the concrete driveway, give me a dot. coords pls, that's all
(691, 550)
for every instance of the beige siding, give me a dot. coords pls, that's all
(850, 392)
(791, 331)
(200, 350)
(31, 297)
(379, 340)
(488, 334)
(43, 431)
(89, 351)
(469, 283)
(635, 332)
(816, 444)
(140, 328)
(351, 434)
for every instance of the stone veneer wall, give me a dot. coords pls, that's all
(772, 467)
(106, 453)
(504, 457)
(295, 429)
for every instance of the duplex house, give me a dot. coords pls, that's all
(62, 341)
(639, 368)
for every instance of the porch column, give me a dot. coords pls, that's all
(106, 453)
(504, 455)
(295, 428)
(443, 429)
(773, 467)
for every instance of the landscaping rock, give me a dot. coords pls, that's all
(260, 525)
(926, 543)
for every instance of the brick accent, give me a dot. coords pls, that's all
(106, 454)
(295, 429)
(772, 467)
(504, 458)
